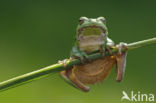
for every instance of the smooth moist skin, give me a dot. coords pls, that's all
(92, 35)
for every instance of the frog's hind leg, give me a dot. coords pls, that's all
(71, 79)
(121, 62)
(65, 78)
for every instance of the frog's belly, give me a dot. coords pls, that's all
(95, 72)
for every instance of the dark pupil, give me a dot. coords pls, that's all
(81, 21)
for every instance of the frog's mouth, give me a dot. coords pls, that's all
(92, 30)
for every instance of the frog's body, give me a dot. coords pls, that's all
(91, 37)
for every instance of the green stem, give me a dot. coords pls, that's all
(28, 77)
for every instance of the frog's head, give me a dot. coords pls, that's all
(91, 27)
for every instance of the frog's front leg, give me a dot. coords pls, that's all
(70, 78)
(121, 61)
(107, 46)
(76, 53)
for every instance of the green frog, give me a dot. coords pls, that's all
(92, 36)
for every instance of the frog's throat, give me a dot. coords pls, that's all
(103, 30)
(91, 43)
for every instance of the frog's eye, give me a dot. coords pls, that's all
(102, 19)
(82, 19)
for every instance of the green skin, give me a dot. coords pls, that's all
(91, 36)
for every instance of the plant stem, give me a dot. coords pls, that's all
(28, 77)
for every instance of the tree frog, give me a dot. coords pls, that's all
(91, 36)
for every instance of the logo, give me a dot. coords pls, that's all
(138, 96)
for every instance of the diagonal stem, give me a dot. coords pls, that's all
(29, 77)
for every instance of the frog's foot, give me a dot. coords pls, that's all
(64, 62)
(71, 79)
(121, 46)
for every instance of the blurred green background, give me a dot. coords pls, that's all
(35, 34)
